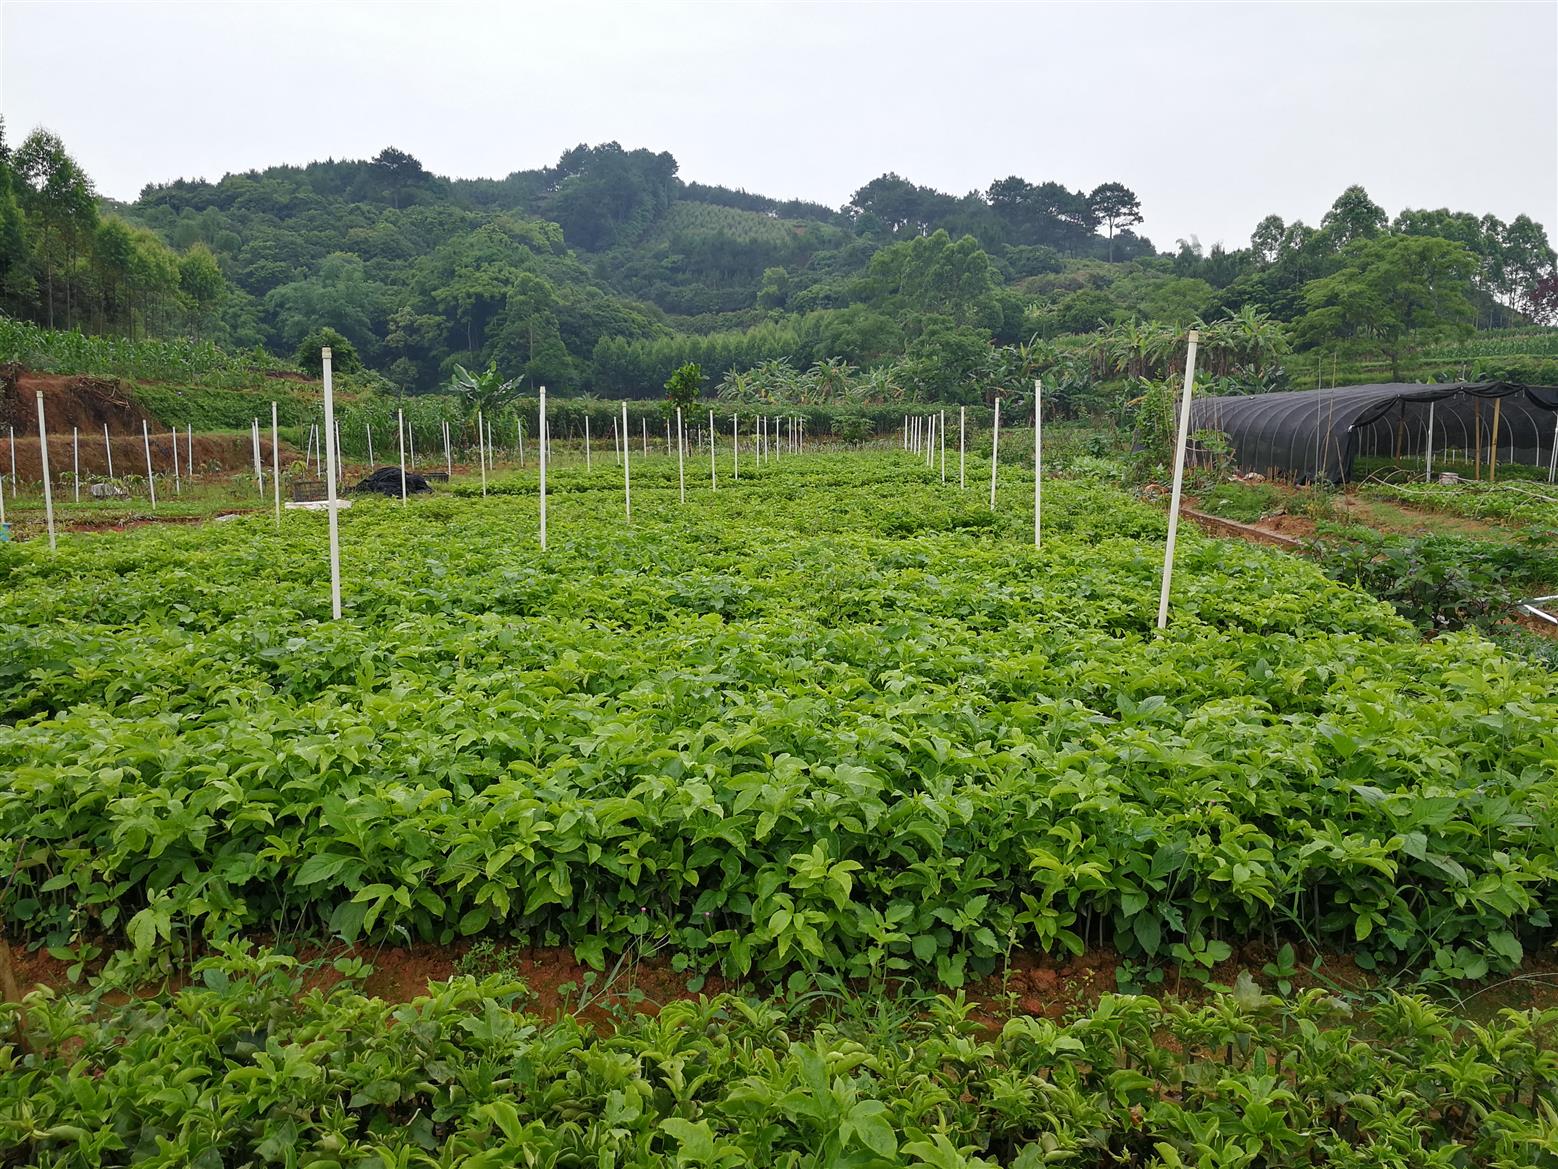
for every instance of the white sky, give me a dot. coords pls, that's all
(1215, 114)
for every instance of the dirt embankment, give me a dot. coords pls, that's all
(77, 409)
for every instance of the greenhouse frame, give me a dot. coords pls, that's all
(1308, 435)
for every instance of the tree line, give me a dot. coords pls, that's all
(606, 271)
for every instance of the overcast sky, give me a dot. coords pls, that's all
(1216, 115)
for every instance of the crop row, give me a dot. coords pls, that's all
(243, 1070)
(823, 720)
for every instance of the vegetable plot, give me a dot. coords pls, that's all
(241, 1071)
(825, 718)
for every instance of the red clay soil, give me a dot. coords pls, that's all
(68, 400)
(1031, 984)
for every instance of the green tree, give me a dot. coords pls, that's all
(343, 354)
(682, 389)
(1352, 217)
(486, 391)
(1388, 288)
(1116, 206)
(200, 279)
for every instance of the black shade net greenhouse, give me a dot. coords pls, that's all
(1309, 435)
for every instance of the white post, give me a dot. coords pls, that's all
(587, 463)
(627, 474)
(930, 447)
(713, 482)
(189, 450)
(48, 488)
(541, 426)
(109, 447)
(332, 510)
(995, 451)
(448, 451)
(13, 462)
(75, 459)
(735, 451)
(481, 452)
(369, 427)
(275, 461)
(941, 430)
(1428, 451)
(259, 474)
(643, 425)
(681, 446)
(411, 447)
(400, 437)
(1179, 477)
(905, 432)
(616, 438)
(962, 430)
(492, 450)
(177, 489)
(151, 482)
(519, 439)
(1038, 459)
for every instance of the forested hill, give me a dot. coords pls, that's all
(604, 271)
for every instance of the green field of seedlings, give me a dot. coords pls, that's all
(835, 723)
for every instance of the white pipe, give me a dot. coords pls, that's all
(1038, 460)
(643, 425)
(713, 481)
(541, 425)
(400, 434)
(275, 461)
(942, 431)
(189, 450)
(481, 452)
(627, 474)
(1179, 478)
(587, 463)
(332, 511)
(962, 429)
(177, 489)
(109, 447)
(151, 482)
(681, 447)
(48, 488)
(995, 451)
(259, 473)
(1428, 451)
(75, 459)
(369, 427)
(735, 451)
